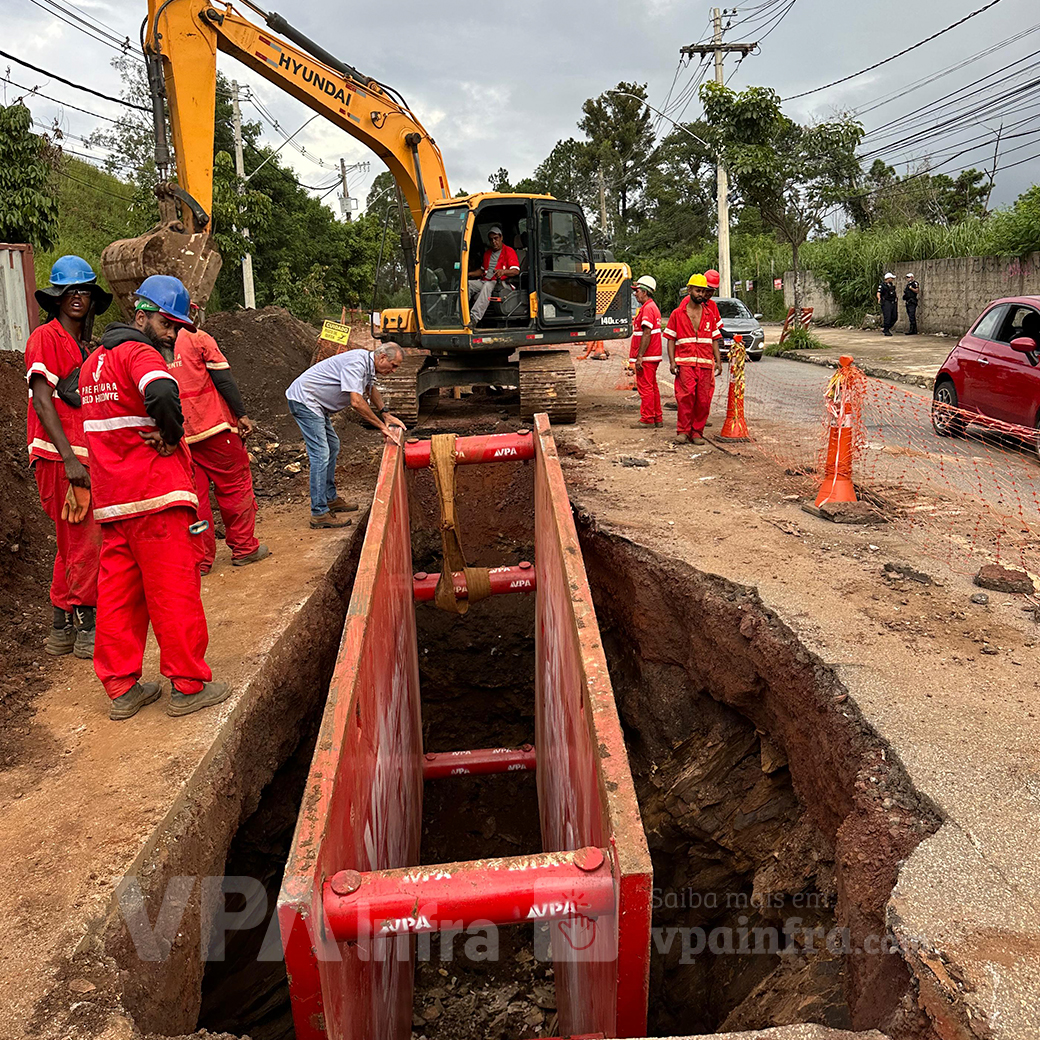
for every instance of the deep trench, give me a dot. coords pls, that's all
(773, 814)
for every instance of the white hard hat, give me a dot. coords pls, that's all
(890, 275)
(647, 282)
(910, 275)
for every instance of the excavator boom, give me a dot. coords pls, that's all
(181, 38)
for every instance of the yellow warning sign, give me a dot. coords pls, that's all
(334, 332)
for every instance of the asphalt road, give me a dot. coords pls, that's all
(902, 447)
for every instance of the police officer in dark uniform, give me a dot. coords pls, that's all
(886, 294)
(910, 294)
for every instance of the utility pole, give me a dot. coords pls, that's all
(603, 203)
(247, 260)
(718, 49)
(993, 173)
(346, 194)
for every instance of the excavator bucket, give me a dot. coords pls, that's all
(166, 249)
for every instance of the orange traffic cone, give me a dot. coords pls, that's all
(841, 404)
(735, 427)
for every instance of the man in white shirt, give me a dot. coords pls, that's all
(326, 388)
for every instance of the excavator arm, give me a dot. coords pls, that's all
(181, 39)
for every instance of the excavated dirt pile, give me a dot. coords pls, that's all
(26, 557)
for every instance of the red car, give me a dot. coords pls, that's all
(993, 372)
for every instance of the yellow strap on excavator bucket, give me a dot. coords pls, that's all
(478, 582)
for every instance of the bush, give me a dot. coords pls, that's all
(797, 339)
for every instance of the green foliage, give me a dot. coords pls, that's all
(233, 211)
(796, 339)
(93, 210)
(28, 213)
(621, 139)
(792, 174)
(886, 200)
(1016, 231)
(306, 297)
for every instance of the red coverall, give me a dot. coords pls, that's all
(695, 365)
(649, 317)
(52, 353)
(145, 503)
(218, 452)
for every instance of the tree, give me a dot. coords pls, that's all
(679, 200)
(28, 212)
(794, 175)
(564, 174)
(621, 141)
(887, 200)
(499, 180)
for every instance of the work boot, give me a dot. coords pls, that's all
(61, 638)
(709, 423)
(658, 425)
(645, 425)
(185, 703)
(697, 440)
(683, 438)
(338, 505)
(83, 621)
(672, 405)
(330, 520)
(131, 702)
(261, 552)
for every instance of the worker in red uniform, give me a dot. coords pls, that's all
(58, 450)
(646, 352)
(145, 502)
(216, 426)
(693, 335)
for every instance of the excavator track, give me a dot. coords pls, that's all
(548, 383)
(400, 388)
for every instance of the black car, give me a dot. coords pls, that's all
(738, 320)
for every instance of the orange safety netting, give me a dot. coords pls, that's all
(969, 487)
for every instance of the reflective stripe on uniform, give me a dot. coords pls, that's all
(120, 422)
(146, 505)
(694, 361)
(150, 377)
(42, 445)
(38, 368)
(209, 433)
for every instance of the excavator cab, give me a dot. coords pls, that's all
(552, 299)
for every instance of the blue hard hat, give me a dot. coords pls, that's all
(167, 295)
(67, 272)
(72, 270)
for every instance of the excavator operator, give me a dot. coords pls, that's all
(500, 264)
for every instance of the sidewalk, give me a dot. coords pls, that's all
(902, 359)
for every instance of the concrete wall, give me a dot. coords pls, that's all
(953, 291)
(812, 292)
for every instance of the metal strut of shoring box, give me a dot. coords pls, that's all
(353, 898)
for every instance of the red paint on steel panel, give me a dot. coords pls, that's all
(495, 447)
(362, 808)
(455, 896)
(484, 761)
(585, 790)
(503, 580)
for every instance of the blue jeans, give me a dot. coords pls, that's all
(322, 451)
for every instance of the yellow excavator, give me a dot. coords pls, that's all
(561, 296)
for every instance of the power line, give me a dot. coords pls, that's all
(85, 27)
(33, 92)
(96, 187)
(77, 86)
(885, 61)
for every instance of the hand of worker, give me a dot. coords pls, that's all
(76, 473)
(153, 438)
(718, 366)
(639, 364)
(245, 426)
(672, 368)
(392, 420)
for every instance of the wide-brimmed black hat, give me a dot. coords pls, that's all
(49, 297)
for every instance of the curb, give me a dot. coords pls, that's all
(869, 370)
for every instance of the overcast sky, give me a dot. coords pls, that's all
(499, 84)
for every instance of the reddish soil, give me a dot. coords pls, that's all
(26, 555)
